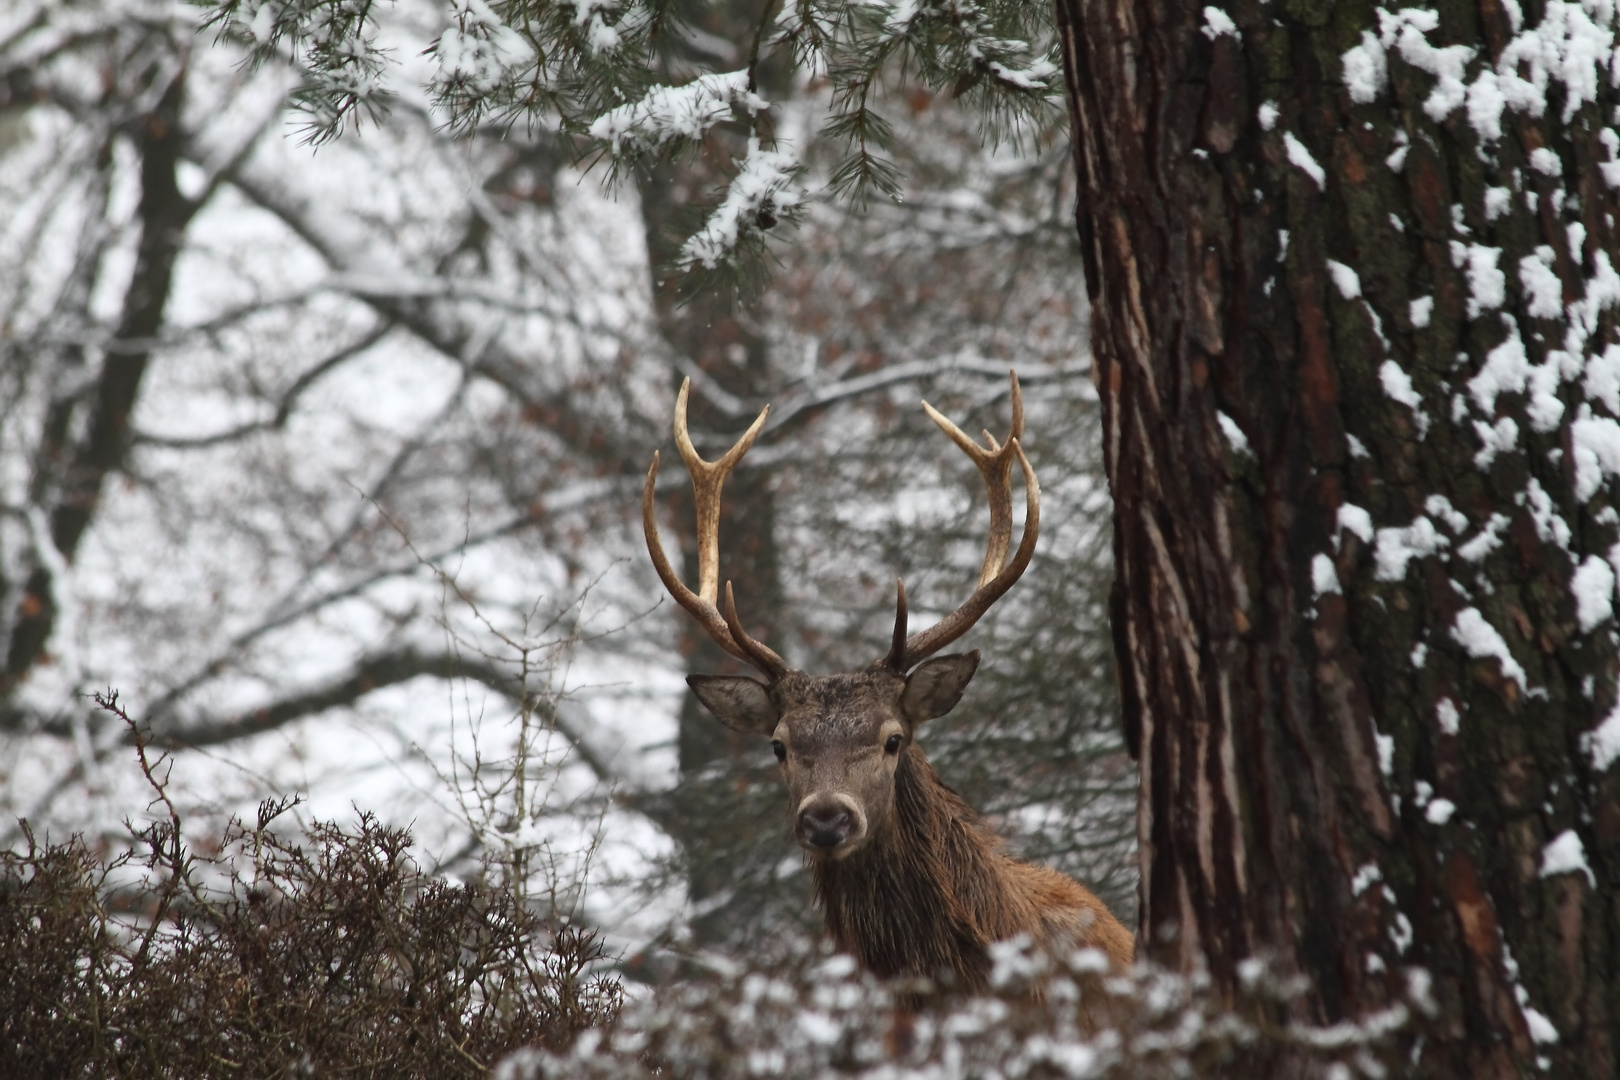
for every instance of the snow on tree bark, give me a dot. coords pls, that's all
(1366, 677)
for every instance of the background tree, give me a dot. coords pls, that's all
(1354, 296)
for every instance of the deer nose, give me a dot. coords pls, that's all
(825, 824)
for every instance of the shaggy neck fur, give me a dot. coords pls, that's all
(928, 893)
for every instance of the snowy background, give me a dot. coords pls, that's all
(375, 538)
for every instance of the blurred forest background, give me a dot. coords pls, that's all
(371, 531)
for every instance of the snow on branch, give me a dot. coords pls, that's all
(764, 190)
(480, 50)
(1012, 62)
(333, 42)
(668, 113)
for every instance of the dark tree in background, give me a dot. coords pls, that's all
(717, 817)
(1353, 287)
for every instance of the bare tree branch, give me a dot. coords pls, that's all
(284, 405)
(367, 675)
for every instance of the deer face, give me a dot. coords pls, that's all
(839, 738)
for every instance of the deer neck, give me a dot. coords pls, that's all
(924, 896)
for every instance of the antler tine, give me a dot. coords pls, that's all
(994, 579)
(701, 610)
(760, 655)
(995, 465)
(897, 648)
(707, 480)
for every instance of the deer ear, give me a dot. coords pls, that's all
(935, 687)
(740, 703)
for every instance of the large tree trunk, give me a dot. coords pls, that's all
(1351, 764)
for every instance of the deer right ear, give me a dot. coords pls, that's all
(937, 685)
(740, 703)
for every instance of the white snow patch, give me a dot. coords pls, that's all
(1438, 506)
(1551, 528)
(1354, 519)
(1545, 162)
(1541, 285)
(1482, 642)
(1497, 200)
(1385, 745)
(1398, 547)
(1218, 22)
(1439, 811)
(1404, 30)
(1420, 655)
(1593, 588)
(1445, 713)
(1234, 434)
(1366, 69)
(1506, 370)
(1596, 445)
(1566, 855)
(1301, 158)
(1603, 378)
(1488, 540)
(1364, 878)
(1324, 577)
(1421, 311)
(1358, 449)
(1541, 1028)
(1401, 934)
(1602, 743)
(1602, 293)
(1348, 282)
(1398, 386)
(1487, 285)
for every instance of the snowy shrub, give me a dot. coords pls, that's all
(816, 1015)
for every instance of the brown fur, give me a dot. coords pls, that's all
(913, 883)
(931, 889)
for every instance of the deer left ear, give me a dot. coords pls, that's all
(937, 685)
(740, 703)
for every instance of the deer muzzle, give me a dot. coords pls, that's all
(829, 824)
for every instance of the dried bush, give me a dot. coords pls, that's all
(322, 951)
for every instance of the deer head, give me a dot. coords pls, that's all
(842, 738)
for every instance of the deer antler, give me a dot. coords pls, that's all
(995, 465)
(707, 479)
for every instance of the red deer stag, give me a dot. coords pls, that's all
(912, 881)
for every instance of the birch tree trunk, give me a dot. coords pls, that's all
(1352, 275)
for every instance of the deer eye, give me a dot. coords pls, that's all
(893, 745)
(778, 749)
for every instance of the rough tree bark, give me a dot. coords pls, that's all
(1350, 348)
